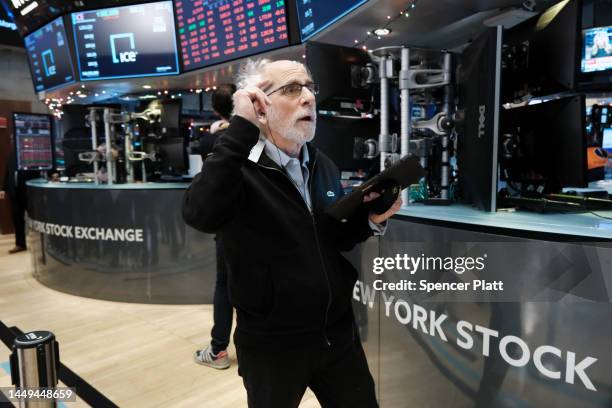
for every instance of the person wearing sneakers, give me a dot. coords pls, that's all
(215, 354)
(265, 188)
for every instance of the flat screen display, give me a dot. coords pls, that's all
(597, 49)
(49, 56)
(211, 32)
(128, 41)
(607, 140)
(315, 15)
(33, 141)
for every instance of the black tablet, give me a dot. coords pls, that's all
(405, 172)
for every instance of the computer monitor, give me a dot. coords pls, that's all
(341, 139)
(316, 15)
(607, 140)
(544, 146)
(596, 49)
(211, 32)
(478, 87)
(541, 55)
(49, 56)
(332, 67)
(33, 141)
(128, 41)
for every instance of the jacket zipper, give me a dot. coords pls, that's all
(314, 226)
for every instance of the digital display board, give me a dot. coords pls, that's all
(597, 49)
(315, 15)
(128, 41)
(8, 30)
(211, 32)
(49, 56)
(33, 141)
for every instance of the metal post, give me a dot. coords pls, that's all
(448, 96)
(107, 139)
(34, 364)
(94, 139)
(129, 166)
(405, 109)
(383, 138)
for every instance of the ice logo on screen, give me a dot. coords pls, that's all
(123, 56)
(48, 62)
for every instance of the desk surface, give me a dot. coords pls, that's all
(92, 186)
(584, 225)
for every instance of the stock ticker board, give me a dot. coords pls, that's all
(211, 32)
(33, 141)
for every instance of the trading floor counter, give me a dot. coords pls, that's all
(122, 242)
(542, 340)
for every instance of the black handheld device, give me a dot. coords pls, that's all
(405, 172)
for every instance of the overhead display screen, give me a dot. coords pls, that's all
(49, 56)
(597, 49)
(128, 41)
(211, 32)
(33, 141)
(315, 15)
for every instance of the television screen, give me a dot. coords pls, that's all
(211, 32)
(128, 41)
(597, 49)
(33, 141)
(607, 140)
(315, 15)
(49, 56)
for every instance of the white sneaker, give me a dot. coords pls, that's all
(206, 357)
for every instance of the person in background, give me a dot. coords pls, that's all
(14, 188)
(215, 354)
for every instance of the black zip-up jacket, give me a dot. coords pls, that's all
(287, 279)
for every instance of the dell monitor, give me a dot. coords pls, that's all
(128, 41)
(33, 141)
(49, 56)
(316, 15)
(544, 146)
(541, 55)
(333, 68)
(211, 32)
(478, 86)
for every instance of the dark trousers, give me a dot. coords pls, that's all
(338, 376)
(223, 313)
(18, 207)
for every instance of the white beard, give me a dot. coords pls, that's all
(292, 129)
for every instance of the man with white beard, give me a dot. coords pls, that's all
(265, 189)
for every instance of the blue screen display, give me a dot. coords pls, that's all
(49, 56)
(128, 41)
(315, 15)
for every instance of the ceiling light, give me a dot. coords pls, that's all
(381, 32)
(146, 86)
(82, 96)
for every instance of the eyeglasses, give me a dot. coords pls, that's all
(294, 90)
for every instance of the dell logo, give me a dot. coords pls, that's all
(481, 121)
(128, 56)
(123, 56)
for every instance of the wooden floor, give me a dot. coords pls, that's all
(136, 355)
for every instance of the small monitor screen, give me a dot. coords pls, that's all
(128, 41)
(49, 56)
(315, 15)
(33, 141)
(597, 49)
(211, 32)
(607, 140)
